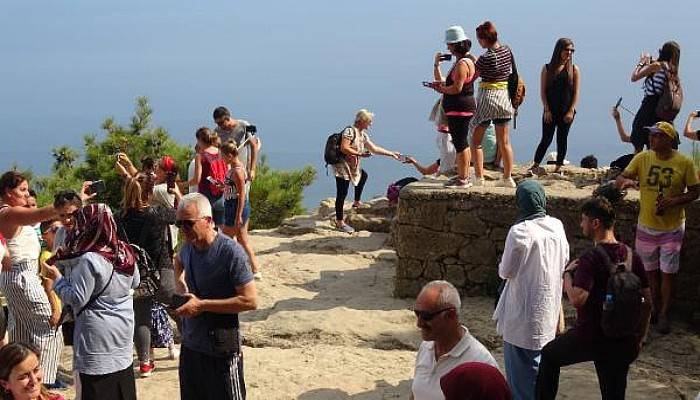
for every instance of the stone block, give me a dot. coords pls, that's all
(465, 223)
(433, 271)
(423, 244)
(481, 275)
(408, 268)
(479, 252)
(454, 273)
(426, 215)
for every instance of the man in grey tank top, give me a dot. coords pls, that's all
(229, 128)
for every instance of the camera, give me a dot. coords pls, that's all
(445, 57)
(252, 129)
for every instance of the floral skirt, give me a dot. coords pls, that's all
(161, 331)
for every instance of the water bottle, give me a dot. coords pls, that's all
(608, 304)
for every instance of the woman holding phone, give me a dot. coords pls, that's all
(354, 145)
(458, 100)
(559, 88)
(32, 319)
(655, 74)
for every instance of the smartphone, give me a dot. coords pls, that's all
(178, 300)
(697, 113)
(404, 158)
(619, 101)
(170, 180)
(97, 187)
(252, 129)
(428, 84)
(445, 57)
(214, 181)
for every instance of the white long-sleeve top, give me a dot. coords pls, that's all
(534, 258)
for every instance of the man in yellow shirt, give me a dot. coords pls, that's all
(667, 181)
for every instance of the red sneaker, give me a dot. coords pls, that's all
(145, 370)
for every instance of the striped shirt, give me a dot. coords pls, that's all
(495, 64)
(654, 84)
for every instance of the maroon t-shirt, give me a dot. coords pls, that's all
(592, 276)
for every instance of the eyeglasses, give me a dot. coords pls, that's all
(427, 315)
(187, 224)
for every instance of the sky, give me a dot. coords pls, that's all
(300, 70)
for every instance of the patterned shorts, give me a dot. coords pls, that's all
(660, 249)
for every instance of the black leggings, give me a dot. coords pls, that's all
(612, 360)
(562, 129)
(341, 192)
(459, 130)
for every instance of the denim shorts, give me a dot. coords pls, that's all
(231, 208)
(217, 208)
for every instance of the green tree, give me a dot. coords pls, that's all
(276, 195)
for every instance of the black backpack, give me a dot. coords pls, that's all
(332, 154)
(149, 274)
(622, 305)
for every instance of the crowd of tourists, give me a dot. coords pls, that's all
(75, 273)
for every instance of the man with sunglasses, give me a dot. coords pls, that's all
(214, 278)
(446, 343)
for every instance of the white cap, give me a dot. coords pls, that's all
(455, 34)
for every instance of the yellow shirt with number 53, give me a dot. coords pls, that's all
(673, 176)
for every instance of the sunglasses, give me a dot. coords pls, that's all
(428, 316)
(187, 224)
(571, 50)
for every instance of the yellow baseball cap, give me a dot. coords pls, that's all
(663, 127)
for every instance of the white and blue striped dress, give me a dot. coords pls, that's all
(27, 302)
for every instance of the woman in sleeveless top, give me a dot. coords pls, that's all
(237, 203)
(655, 74)
(31, 318)
(209, 163)
(493, 102)
(458, 98)
(559, 88)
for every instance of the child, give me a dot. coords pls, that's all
(236, 203)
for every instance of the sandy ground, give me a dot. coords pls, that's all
(328, 328)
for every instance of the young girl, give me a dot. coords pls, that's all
(236, 203)
(21, 375)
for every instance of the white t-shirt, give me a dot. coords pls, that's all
(533, 262)
(426, 379)
(190, 176)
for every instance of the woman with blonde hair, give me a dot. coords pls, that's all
(354, 145)
(237, 203)
(146, 225)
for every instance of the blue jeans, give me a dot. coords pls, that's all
(522, 366)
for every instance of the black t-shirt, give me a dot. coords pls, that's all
(592, 276)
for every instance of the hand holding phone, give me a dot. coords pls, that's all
(619, 101)
(97, 187)
(178, 300)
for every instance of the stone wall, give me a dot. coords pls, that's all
(458, 235)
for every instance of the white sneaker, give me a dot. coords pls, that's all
(173, 353)
(479, 181)
(506, 182)
(459, 183)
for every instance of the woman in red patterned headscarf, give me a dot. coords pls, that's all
(99, 274)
